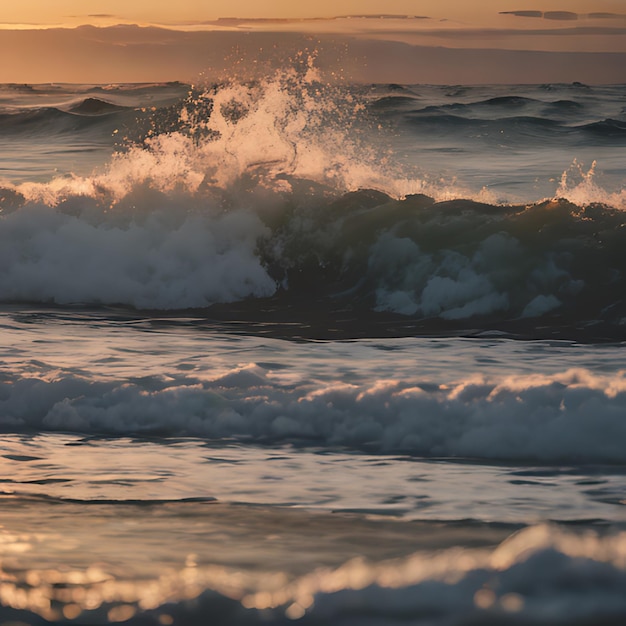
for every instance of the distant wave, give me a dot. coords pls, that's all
(516, 115)
(607, 128)
(15, 120)
(498, 106)
(506, 103)
(563, 106)
(46, 121)
(95, 106)
(539, 127)
(394, 102)
(429, 119)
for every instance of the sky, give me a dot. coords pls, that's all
(482, 12)
(443, 41)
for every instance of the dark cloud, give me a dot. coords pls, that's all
(607, 16)
(383, 16)
(523, 13)
(560, 15)
(96, 16)
(486, 33)
(566, 16)
(134, 54)
(546, 15)
(250, 21)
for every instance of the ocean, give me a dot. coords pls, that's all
(282, 350)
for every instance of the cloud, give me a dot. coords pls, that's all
(268, 21)
(560, 15)
(523, 13)
(566, 16)
(133, 54)
(547, 15)
(606, 16)
(485, 34)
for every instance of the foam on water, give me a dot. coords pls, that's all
(231, 134)
(159, 260)
(243, 190)
(579, 186)
(542, 418)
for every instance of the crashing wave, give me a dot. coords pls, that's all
(249, 189)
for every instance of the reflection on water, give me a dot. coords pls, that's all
(93, 469)
(158, 530)
(58, 556)
(60, 559)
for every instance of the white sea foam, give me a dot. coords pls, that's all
(580, 186)
(176, 221)
(451, 285)
(575, 416)
(173, 222)
(158, 261)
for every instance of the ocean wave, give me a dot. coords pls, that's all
(516, 117)
(49, 121)
(95, 106)
(606, 128)
(520, 582)
(155, 261)
(279, 188)
(537, 125)
(540, 128)
(452, 260)
(526, 418)
(394, 102)
(490, 108)
(563, 106)
(542, 574)
(505, 103)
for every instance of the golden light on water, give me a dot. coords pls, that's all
(130, 584)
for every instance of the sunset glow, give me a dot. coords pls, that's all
(312, 311)
(72, 12)
(162, 40)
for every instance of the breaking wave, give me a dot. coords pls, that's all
(525, 418)
(281, 188)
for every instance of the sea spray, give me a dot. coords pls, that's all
(284, 187)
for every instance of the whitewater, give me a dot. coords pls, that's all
(283, 349)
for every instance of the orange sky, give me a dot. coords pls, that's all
(509, 40)
(478, 12)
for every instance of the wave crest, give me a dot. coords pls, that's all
(249, 189)
(528, 418)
